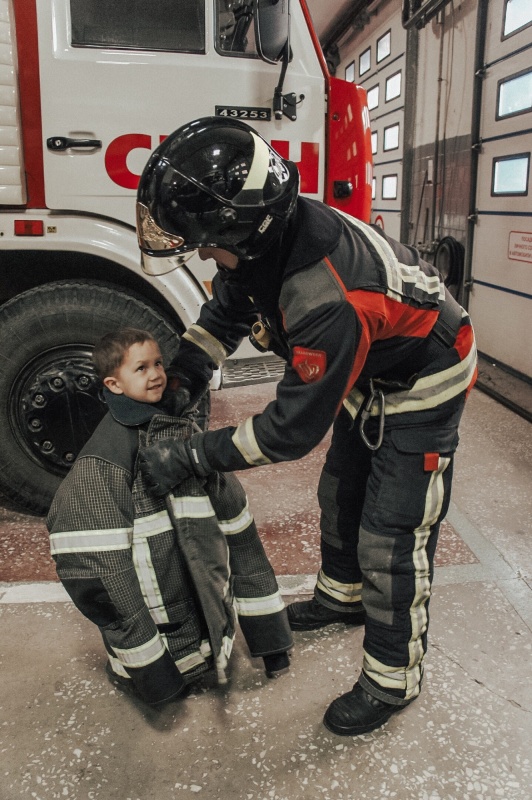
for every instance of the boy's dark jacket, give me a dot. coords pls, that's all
(160, 578)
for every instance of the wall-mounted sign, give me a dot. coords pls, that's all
(520, 246)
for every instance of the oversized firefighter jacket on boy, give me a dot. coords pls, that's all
(161, 577)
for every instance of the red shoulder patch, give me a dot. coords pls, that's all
(310, 365)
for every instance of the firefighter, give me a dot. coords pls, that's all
(374, 346)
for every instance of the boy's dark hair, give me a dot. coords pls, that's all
(109, 352)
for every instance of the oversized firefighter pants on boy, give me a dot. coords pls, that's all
(380, 516)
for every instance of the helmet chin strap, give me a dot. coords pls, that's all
(270, 257)
(227, 274)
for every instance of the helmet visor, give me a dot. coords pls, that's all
(153, 240)
(161, 266)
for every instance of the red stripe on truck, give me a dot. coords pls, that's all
(30, 99)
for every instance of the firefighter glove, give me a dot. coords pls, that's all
(168, 462)
(178, 377)
(175, 402)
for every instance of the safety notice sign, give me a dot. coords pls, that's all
(520, 246)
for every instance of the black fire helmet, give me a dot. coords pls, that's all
(214, 182)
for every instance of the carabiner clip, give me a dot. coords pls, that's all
(260, 336)
(366, 413)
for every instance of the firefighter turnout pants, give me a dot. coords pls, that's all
(380, 515)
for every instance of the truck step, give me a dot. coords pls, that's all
(248, 371)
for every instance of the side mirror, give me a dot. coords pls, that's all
(272, 29)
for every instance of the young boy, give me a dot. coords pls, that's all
(160, 576)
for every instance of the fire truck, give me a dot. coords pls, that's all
(88, 89)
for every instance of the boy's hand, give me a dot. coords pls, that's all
(169, 462)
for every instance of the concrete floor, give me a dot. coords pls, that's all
(66, 733)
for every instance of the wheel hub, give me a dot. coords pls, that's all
(56, 406)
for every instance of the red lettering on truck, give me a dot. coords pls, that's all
(119, 149)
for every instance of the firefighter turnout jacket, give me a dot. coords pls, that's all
(354, 314)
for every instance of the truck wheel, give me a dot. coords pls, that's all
(49, 394)
(449, 261)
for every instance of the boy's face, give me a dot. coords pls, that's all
(141, 375)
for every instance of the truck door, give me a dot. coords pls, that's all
(118, 77)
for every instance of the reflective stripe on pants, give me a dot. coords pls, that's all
(381, 513)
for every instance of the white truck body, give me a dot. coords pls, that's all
(87, 91)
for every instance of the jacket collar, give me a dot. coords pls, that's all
(127, 411)
(312, 233)
(315, 231)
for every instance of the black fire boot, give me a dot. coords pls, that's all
(358, 712)
(276, 665)
(308, 615)
(126, 685)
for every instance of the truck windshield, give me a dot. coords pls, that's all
(176, 25)
(235, 34)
